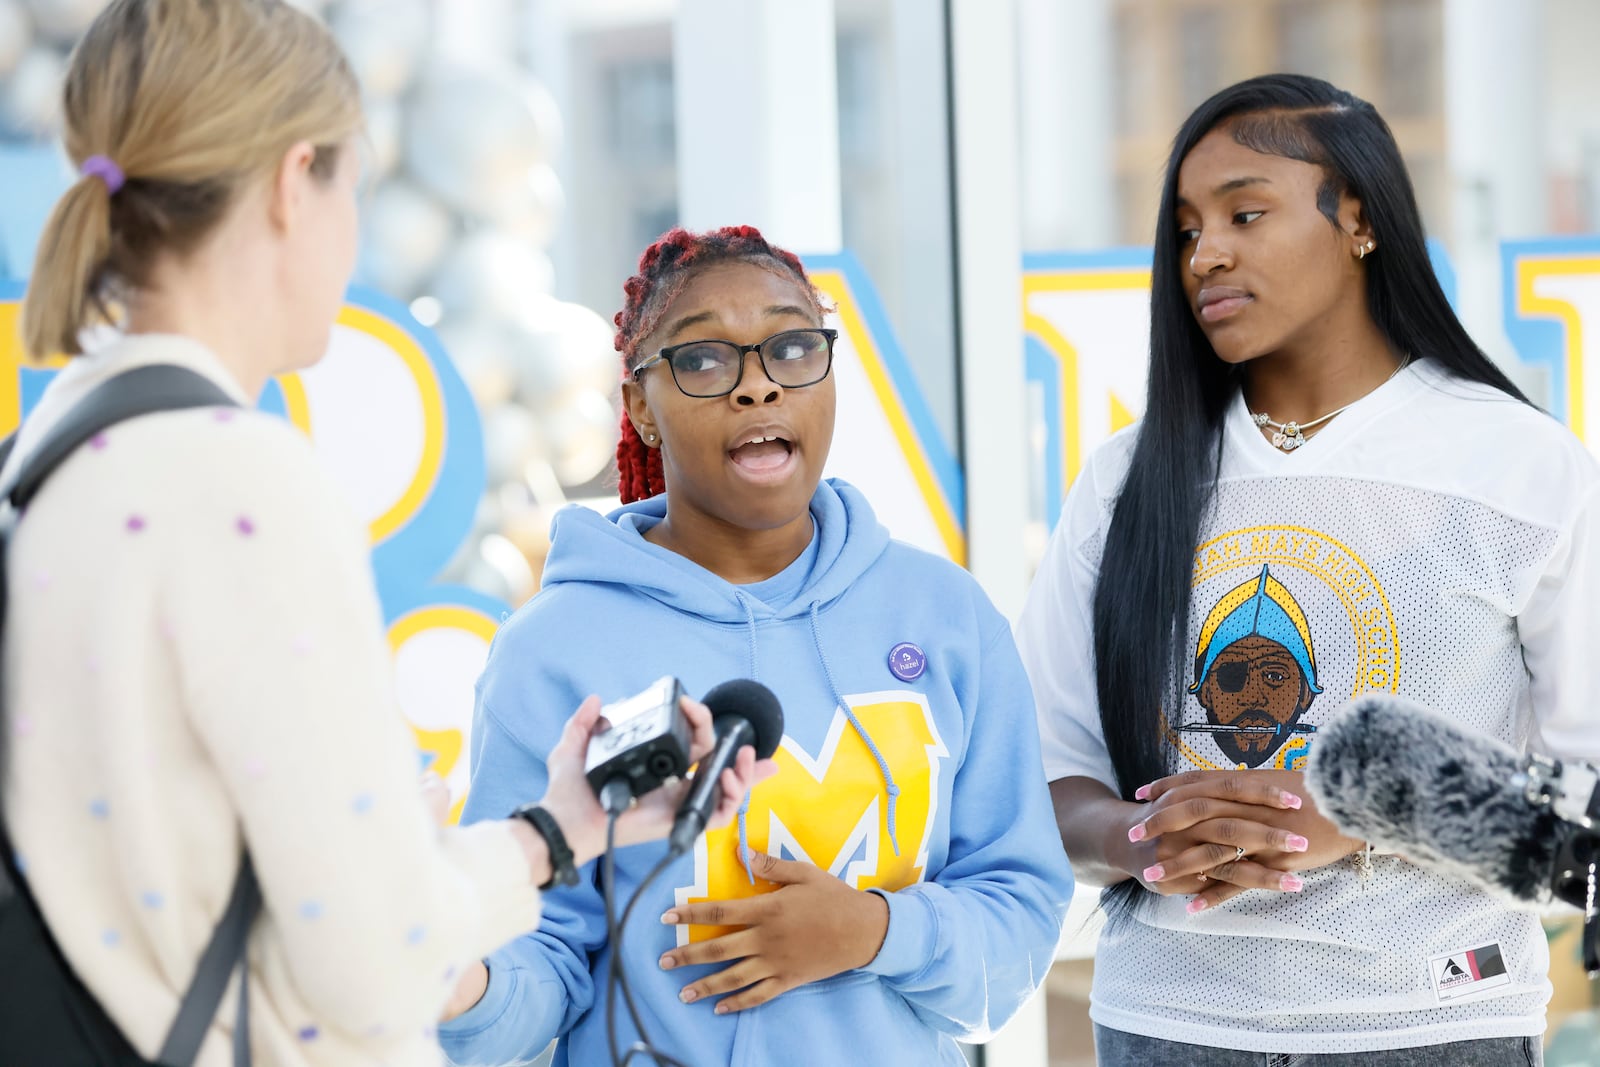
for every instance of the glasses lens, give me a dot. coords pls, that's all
(706, 368)
(796, 357)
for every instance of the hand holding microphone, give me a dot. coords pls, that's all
(727, 773)
(571, 798)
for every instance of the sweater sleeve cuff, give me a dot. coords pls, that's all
(457, 1035)
(912, 939)
(496, 864)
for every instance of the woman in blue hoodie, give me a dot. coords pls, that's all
(904, 882)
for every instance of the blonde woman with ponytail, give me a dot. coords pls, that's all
(194, 667)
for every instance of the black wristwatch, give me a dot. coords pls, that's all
(562, 871)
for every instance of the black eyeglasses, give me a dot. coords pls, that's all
(793, 359)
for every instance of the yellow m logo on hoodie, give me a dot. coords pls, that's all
(827, 808)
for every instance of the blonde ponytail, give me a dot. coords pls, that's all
(190, 100)
(64, 290)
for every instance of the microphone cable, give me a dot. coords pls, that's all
(616, 971)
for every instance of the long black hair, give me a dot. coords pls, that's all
(1141, 600)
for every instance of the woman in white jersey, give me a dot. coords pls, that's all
(1332, 491)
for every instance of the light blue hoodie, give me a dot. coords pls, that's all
(927, 787)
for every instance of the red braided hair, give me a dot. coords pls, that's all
(664, 269)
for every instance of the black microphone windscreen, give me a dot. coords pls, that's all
(756, 704)
(1446, 797)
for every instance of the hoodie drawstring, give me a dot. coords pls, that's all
(861, 731)
(744, 805)
(750, 628)
(744, 843)
(889, 785)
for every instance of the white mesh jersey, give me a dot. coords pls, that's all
(1437, 540)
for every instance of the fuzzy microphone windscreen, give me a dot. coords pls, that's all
(1446, 798)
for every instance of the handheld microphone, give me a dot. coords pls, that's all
(1461, 803)
(744, 712)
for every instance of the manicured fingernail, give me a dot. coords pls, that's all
(1291, 883)
(1142, 793)
(667, 963)
(1290, 800)
(1298, 843)
(721, 1009)
(688, 995)
(670, 918)
(1196, 906)
(1155, 873)
(1137, 832)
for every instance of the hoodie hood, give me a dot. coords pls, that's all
(587, 547)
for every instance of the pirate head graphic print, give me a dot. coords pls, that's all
(1254, 671)
(1271, 604)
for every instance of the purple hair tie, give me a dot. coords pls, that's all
(108, 172)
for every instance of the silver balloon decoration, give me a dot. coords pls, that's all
(527, 526)
(64, 20)
(30, 101)
(505, 559)
(512, 438)
(385, 121)
(568, 349)
(489, 517)
(580, 435)
(535, 216)
(16, 31)
(407, 232)
(477, 573)
(548, 115)
(492, 274)
(565, 372)
(482, 167)
(481, 351)
(548, 370)
(384, 40)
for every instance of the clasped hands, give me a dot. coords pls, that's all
(1188, 835)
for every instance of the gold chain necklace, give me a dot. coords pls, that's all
(1291, 435)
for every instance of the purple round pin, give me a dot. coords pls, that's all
(907, 661)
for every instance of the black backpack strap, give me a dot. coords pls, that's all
(145, 391)
(141, 391)
(225, 952)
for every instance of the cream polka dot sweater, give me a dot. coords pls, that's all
(194, 663)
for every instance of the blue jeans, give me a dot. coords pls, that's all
(1114, 1048)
